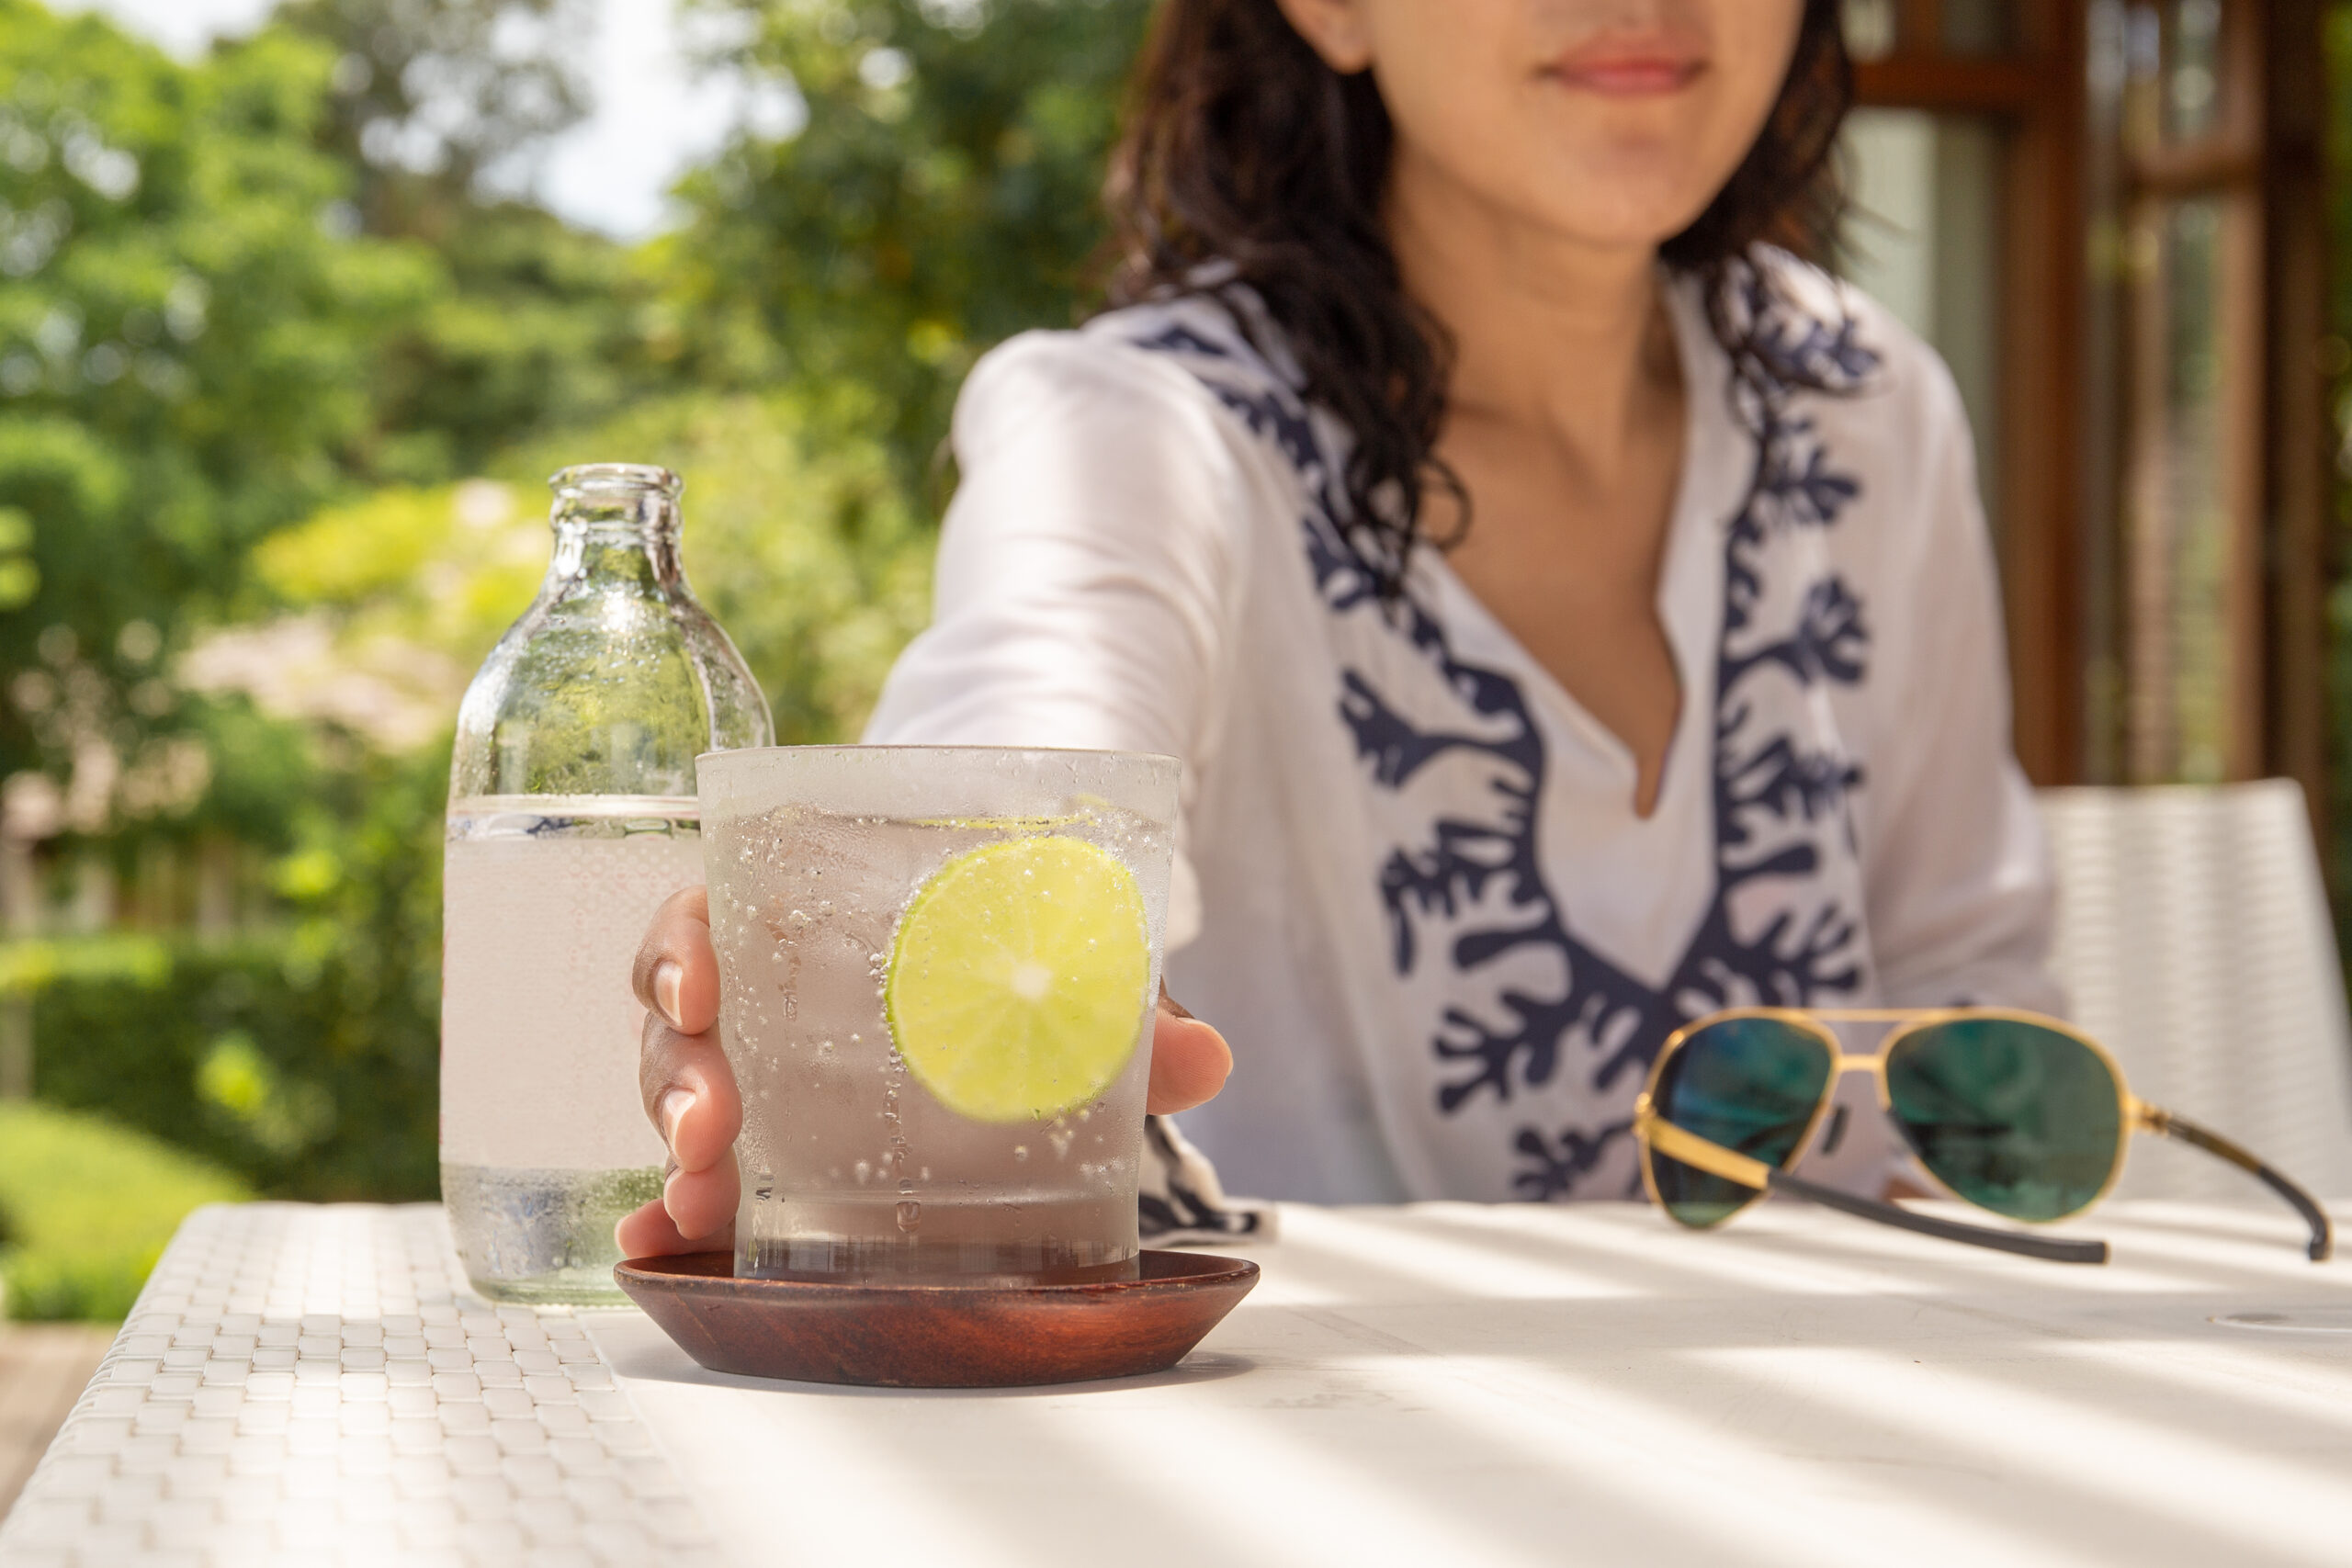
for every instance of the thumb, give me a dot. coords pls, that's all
(1190, 1060)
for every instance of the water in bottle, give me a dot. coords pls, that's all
(571, 817)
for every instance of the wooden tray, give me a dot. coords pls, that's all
(896, 1335)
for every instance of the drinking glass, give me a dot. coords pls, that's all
(938, 968)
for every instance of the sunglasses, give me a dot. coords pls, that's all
(2012, 1111)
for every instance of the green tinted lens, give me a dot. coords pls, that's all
(2012, 1116)
(1749, 1084)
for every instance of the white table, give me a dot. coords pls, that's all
(1441, 1385)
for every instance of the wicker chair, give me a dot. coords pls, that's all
(2194, 939)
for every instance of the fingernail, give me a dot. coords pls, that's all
(674, 1106)
(667, 980)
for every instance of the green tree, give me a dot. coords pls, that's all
(277, 391)
(545, 327)
(943, 195)
(185, 351)
(434, 95)
(439, 107)
(195, 351)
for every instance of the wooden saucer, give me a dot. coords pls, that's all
(893, 1335)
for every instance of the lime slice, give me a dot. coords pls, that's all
(1016, 986)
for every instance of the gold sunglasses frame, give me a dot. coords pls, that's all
(1655, 1136)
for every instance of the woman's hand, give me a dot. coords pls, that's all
(690, 1091)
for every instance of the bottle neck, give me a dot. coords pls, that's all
(617, 528)
(615, 555)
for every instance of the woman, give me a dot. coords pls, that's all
(1574, 614)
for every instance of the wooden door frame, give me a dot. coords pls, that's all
(2058, 492)
(2298, 481)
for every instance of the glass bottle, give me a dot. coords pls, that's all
(571, 817)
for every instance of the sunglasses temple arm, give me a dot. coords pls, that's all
(2322, 1242)
(1703, 1153)
(2055, 1249)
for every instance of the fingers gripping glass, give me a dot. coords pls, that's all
(2011, 1111)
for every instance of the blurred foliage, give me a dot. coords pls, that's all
(284, 363)
(86, 1209)
(543, 326)
(186, 358)
(302, 1056)
(433, 95)
(436, 106)
(943, 196)
(798, 539)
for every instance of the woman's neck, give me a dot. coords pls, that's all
(1565, 425)
(1550, 334)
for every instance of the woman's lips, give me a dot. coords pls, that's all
(1628, 74)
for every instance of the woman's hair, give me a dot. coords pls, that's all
(1242, 148)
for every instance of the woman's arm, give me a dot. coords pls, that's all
(1088, 572)
(1958, 877)
(1083, 593)
(1087, 567)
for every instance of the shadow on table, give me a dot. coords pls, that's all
(1442, 1253)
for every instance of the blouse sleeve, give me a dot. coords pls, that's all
(1084, 593)
(1959, 879)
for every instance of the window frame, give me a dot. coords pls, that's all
(2065, 429)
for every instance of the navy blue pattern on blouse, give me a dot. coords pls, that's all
(1777, 797)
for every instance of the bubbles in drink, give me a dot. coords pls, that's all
(807, 904)
(545, 900)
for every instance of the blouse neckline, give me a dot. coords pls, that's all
(1689, 602)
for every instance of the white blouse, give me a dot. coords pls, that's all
(1418, 899)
